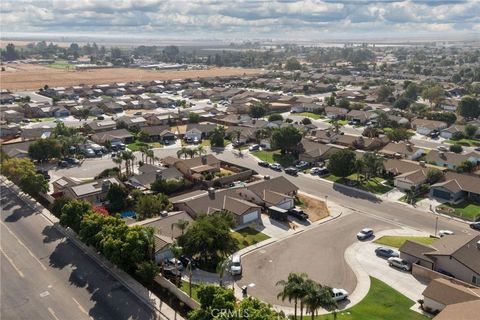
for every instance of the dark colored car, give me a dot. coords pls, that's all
(475, 225)
(186, 260)
(263, 164)
(291, 170)
(386, 252)
(72, 161)
(297, 213)
(62, 164)
(172, 274)
(44, 173)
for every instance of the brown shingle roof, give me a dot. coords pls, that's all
(449, 291)
(464, 310)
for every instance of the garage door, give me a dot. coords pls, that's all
(441, 194)
(249, 217)
(286, 205)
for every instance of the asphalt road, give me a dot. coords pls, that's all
(45, 276)
(319, 252)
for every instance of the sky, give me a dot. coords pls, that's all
(244, 19)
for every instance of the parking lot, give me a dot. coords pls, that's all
(318, 251)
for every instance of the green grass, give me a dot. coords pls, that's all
(206, 142)
(248, 236)
(417, 198)
(61, 65)
(135, 146)
(42, 119)
(397, 241)
(373, 185)
(381, 303)
(274, 156)
(340, 122)
(466, 210)
(309, 115)
(186, 288)
(465, 142)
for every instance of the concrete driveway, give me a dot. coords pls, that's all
(363, 257)
(318, 251)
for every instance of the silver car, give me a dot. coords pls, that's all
(399, 263)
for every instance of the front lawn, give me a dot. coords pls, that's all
(206, 142)
(135, 146)
(309, 115)
(185, 287)
(340, 122)
(248, 236)
(381, 303)
(372, 185)
(398, 241)
(466, 210)
(465, 142)
(285, 160)
(61, 64)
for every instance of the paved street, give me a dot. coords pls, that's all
(319, 252)
(45, 276)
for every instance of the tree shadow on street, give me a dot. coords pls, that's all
(355, 193)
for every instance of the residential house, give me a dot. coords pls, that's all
(94, 192)
(458, 255)
(451, 160)
(246, 133)
(132, 121)
(452, 131)
(360, 142)
(9, 130)
(99, 126)
(457, 187)
(360, 116)
(35, 133)
(199, 131)
(112, 136)
(166, 231)
(402, 150)
(462, 310)
(335, 112)
(11, 116)
(441, 293)
(162, 119)
(425, 127)
(313, 152)
(159, 133)
(17, 149)
(150, 173)
(195, 167)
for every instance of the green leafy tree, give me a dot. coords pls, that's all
(209, 238)
(117, 198)
(33, 185)
(434, 94)
(44, 149)
(469, 107)
(306, 121)
(456, 148)
(466, 167)
(470, 130)
(217, 137)
(401, 103)
(150, 205)
(286, 138)
(317, 296)
(344, 103)
(258, 110)
(73, 213)
(147, 271)
(193, 117)
(411, 91)
(342, 163)
(215, 302)
(275, 117)
(22, 172)
(258, 310)
(373, 164)
(434, 176)
(384, 92)
(57, 205)
(399, 134)
(293, 64)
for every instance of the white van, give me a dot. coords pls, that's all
(236, 266)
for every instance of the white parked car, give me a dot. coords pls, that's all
(176, 262)
(364, 234)
(276, 166)
(399, 263)
(442, 148)
(236, 266)
(442, 233)
(339, 294)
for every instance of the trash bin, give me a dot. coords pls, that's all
(244, 291)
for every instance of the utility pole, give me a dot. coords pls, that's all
(436, 225)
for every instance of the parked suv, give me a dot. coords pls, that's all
(276, 166)
(386, 252)
(292, 171)
(236, 266)
(364, 234)
(399, 263)
(298, 213)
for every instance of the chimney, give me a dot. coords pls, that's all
(106, 185)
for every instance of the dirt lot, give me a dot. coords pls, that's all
(27, 76)
(316, 209)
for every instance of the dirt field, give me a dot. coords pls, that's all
(316, 209)
(28, 76)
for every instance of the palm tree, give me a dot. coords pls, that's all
(129, 158)
(182, 152)
(317, 296)
(190, 275)
(176, 251)
(191, 152)
(181, 225)
(201, 150)
(336, 124)
(292, 288)
(118, 160)
(143, 150)
(221, 267)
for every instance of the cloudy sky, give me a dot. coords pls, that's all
(282, 19)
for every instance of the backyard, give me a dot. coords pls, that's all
(248, 236)
(398, 241)
(285, 160)
(373, 185)
(381, 303)
(186, 288)
(468, 210)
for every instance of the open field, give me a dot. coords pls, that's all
(29, 76)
